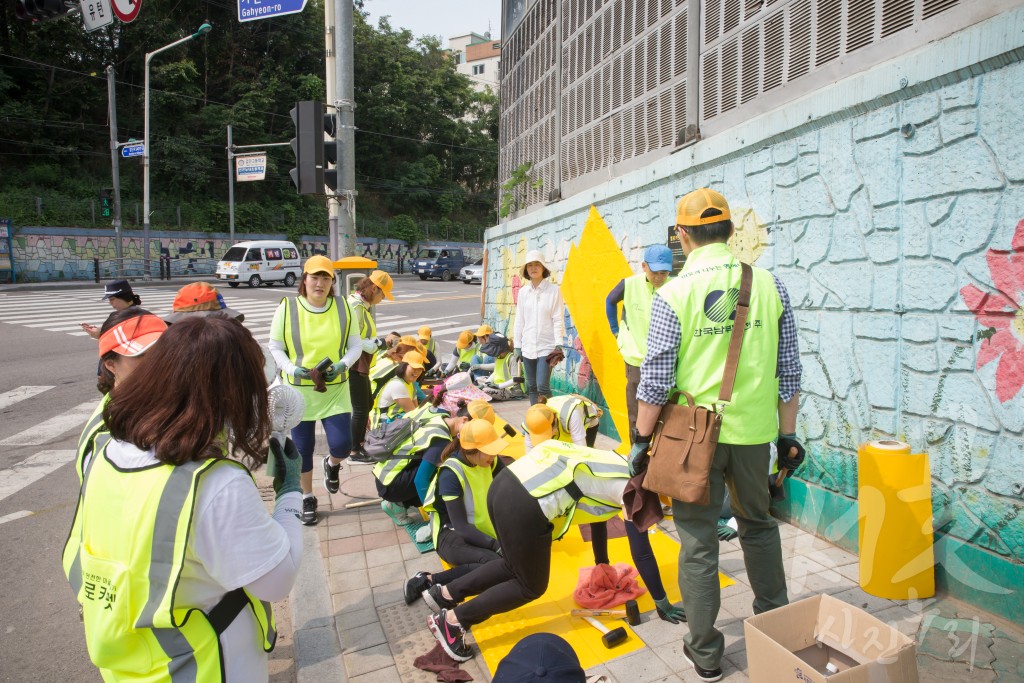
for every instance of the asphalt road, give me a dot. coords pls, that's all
(47, 390)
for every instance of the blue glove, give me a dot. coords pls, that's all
(335, 370)
(420, 395)
(638, 453)
(669, 612)
(287, 466)
(300, 373)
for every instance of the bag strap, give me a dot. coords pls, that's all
(739, 326)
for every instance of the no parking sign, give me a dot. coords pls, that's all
(126, 10)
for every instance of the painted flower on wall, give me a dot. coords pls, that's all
(1001, 313)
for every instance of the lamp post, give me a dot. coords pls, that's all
(201, 31)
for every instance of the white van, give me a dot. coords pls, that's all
(262, 261)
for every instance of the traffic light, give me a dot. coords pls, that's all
(331, 150)
(105, 203)
(41, 10)
(308, 146)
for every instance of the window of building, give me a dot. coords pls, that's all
(478, 69)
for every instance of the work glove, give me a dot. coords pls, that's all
(332, 372)
(517, 354)
(300, 373)
(791, 452)
(673, 614)
(287, 465)
(638, 453)
(421, 396)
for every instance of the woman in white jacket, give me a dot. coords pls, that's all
(539, 326)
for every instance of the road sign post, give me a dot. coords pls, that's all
(252, 10)
(133, 150)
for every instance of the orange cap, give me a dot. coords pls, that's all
(133, 336)
(690, 209)
(480, 435)
(384, 281)
(414, 359)
(409, 340)
(540, 423)
(483, 329)
(423, 332)
(319, 264)
(480, 409)
(465, 339)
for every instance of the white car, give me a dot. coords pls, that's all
(473, 273)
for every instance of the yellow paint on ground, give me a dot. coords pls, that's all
(593, 269)
(550, 613)
(516, 444)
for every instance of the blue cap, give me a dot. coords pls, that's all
(658, 258)
(540, 658)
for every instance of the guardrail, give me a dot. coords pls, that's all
(167, 268)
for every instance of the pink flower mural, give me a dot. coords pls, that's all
(1002, 313)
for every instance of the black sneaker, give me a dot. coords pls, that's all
(702, 673)
(436, 601)
(360, 457)
(452, 638)
(309, 516)
(415, 586)
(331, 475)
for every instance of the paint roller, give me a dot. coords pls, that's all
(631, 613)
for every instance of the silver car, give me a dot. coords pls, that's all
(473, 273)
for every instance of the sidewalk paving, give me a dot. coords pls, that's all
(351, 623)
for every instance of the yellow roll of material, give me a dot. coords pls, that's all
(895, 521)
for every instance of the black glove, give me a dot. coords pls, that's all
(638, 453)
(791, 452)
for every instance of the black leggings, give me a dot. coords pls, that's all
(521, 576)
(402, 488)
(359, 388)
(464, 557)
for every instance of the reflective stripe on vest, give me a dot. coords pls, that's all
(703, 297)
(636, 304)
(501, 373)
(553, 465)
(311, 337)
(359, 309)
(564, 406)
(430, 425)
(125, 566)
(432, 346)
(85, 441)
(475, 480)
(394, 410)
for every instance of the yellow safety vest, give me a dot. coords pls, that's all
(636, 303)
(310, 337)
(563, 406)
(432, 346)
(466, 354)
(124, 560)
(429, 425)
(93, 427)
(501, 373)
(361, 312)
(377, 414)
(554, 464)
(474, 480)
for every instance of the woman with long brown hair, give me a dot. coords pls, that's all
(172, 553)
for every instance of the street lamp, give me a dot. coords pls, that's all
(201, 31)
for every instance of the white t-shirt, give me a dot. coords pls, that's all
(540, 325)
(234, 541)
(395, 389)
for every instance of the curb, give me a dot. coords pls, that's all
(317, 645)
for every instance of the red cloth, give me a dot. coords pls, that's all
(606, 586)
(446, 668)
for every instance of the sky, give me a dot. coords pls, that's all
(445, 18)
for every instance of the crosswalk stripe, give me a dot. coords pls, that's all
(31, 469)
(51, 429)
(9, 398)
(15, 515)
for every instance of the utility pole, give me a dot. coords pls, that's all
(231, 190)
(331, 50)
(345, 138)
(115, 167)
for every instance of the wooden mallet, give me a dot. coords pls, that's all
(631, 613)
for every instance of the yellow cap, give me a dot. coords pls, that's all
(540, 423)
(480, 409)
(409, 340)
(480, 435)
(384, 281)
(465, 339)
(691, 207)
(413, 359)
(423, 332)
(319, 264)
(484, 329)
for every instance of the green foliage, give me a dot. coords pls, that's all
(512, 189)
(403, 227)
(425, 144)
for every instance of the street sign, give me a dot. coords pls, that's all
(129, 151)
(251, 10)
(96, 14)
(126, 10)
(6, 244)
(251, 167)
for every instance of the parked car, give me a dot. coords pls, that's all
(263, 261)
(442, 262)
(473, 273)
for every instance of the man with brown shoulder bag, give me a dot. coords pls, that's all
(719, 383)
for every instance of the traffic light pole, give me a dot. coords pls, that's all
(330, 82)
(231, 190)
(345, 134)
(115, 168)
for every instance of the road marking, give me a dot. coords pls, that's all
(49, 430)
(20, 394)
(31, 469)
(15, 515)
(440, 298)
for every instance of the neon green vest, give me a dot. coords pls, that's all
(703, 297)
(361, 312)
(466, 354)
(563, 406)
(310, 337)
(476, 481)
(553, 465)
(501, 373)
(93, 427)
(394, 410)
(381, 367)
(430, 425)
(124, 561)
(432, 346)
(636, 304)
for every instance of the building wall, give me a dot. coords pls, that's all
(897, 224)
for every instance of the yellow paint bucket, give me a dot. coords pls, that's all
(895, 521)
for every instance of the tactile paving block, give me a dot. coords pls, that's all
(405, 628)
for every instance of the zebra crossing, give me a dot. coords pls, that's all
(65, 311)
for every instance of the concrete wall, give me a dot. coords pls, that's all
(897, 224)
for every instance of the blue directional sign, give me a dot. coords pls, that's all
(251, 10)
(133, 151)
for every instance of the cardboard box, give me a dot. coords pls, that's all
(798, 641)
